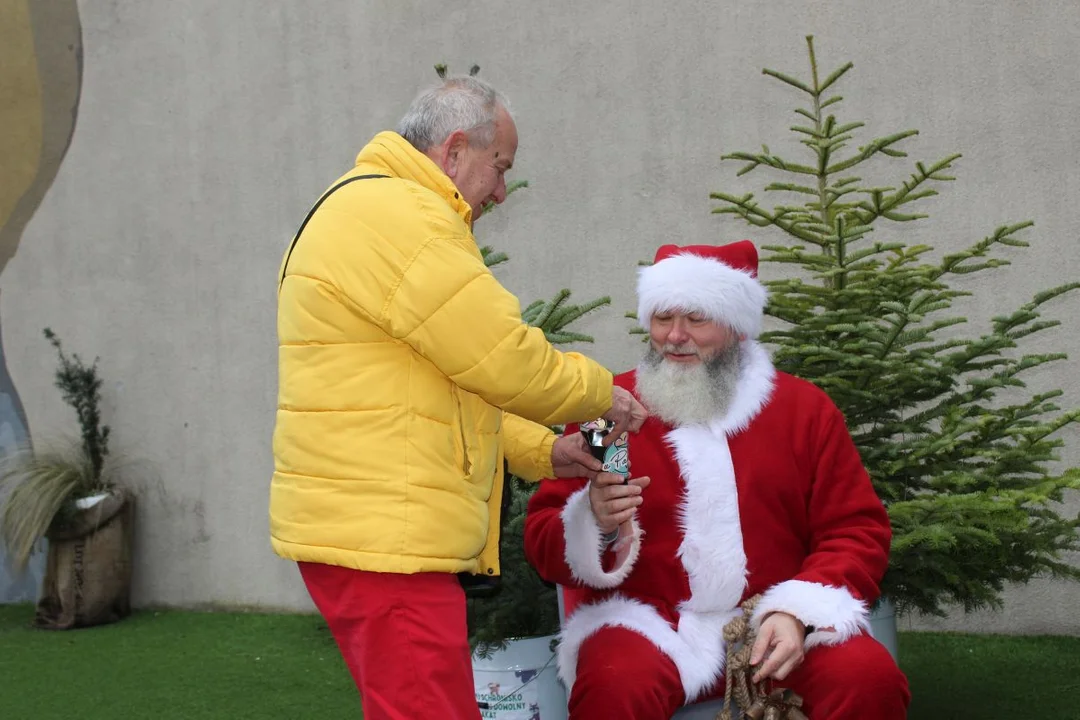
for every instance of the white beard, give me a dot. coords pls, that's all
(681, 394)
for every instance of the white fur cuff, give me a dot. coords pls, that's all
(696, 647)
(584, 545)
(822, 606)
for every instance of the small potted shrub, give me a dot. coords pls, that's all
(71, 497)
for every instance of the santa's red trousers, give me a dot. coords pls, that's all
(621, 674)
(403, 637)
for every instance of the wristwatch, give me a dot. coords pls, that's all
(609, 539)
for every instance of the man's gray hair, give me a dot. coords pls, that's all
(458, 103)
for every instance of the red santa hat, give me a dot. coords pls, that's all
(719, 281)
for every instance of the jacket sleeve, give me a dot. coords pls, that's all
(527, 447)
(450, 308)
(849, 544)
(563, 541)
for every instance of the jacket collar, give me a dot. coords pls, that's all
(391, 154)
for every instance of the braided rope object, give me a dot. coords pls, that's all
(755, 702)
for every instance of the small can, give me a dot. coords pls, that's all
(615, 457)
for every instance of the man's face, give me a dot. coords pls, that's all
(479, 173)
(689, 338)
(691, 371)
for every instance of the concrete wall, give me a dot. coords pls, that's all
(206, 129)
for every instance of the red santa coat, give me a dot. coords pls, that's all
(771, 498)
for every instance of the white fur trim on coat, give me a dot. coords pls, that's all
(715, 562)
(584, 544)
(696, 648)
(691, 283)
(822, 606)
(712, 548)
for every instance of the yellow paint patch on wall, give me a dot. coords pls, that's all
(21, 109)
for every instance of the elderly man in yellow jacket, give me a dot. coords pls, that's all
(406, 378)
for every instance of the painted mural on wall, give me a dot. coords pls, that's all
(40, 80)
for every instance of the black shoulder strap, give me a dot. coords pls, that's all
(303, 225)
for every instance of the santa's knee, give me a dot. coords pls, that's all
(617, 675)
(860, 676)
(618, 671)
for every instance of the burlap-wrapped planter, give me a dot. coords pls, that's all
(88, 570)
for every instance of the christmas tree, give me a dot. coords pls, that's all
(959, 450)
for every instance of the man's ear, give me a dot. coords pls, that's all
(452, 150)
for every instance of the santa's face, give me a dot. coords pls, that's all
(691, 370)
(689, 338)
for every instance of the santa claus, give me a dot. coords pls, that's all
(745, 482)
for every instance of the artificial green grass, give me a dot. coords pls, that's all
(991, 677)
(173, 665)
(176, 664)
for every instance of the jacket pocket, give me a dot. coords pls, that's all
(459, 422)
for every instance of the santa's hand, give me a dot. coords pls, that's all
(612, 502)
(781, 638)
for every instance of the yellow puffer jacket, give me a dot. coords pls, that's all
(406, 375)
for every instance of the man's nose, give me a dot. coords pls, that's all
(500, 192)
(677, 335)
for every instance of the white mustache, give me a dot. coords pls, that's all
(684, 349)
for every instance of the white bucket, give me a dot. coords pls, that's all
(520, 682)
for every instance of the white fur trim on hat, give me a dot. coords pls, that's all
(692, 283)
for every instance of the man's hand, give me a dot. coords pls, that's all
(626, 412)
(570, 457)
(612, 502)
(781, 637)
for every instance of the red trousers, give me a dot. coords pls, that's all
(403, 637)
(621, 674)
